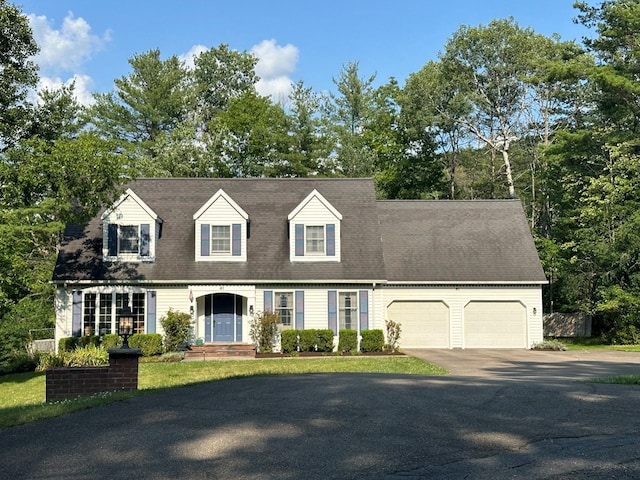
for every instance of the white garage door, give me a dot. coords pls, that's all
(495, 325)
(423, 324)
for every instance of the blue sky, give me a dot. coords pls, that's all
(311, 41)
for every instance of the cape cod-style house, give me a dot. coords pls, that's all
(323, 253)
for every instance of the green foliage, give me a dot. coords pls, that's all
(88, 340)
(347, 341)
(550, 344)
(149, 343)
(264, 331)
(111, 340)
(393, 336)
(66, 344)
(177, 330)
(289, 341)
(324, 340)
(372, 340)
(308, 340)
(89, 356)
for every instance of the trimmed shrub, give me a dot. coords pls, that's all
(289, 341)
(111, 340)
(89, 356)
(372, 341)
(66, 344)
(149, 343)
(308, 340)
(177, 330)
(324, 340)
(347, 341)
(264, 331)
(88, 340)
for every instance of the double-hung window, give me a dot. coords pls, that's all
(348, 310)
(128, 239)
(314, 236)
(220, 239)
(284, 308)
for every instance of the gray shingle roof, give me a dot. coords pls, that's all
(267, 202)
(458, 241)
(423, 241)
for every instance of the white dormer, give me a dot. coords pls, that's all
(314, 230)
(221, 230)
(130, 230)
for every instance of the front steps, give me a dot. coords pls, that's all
(212, 351)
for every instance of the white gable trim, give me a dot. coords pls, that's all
(324, 201)
(131, 194)
(214, 198)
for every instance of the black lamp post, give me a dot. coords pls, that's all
(125, 325)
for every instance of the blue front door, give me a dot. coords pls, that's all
(223, 317)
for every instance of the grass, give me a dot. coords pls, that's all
(618, 380)
(595, 343)
(22, 396)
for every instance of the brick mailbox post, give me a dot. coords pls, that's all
(72, 382)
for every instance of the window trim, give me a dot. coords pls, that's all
(290, 307)
(322, 241)
(121, 237)
(354, 308)
(228, 240)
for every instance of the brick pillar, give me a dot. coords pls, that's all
(123, 368)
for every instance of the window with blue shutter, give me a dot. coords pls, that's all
(204, 240)
(76, 314)
(236, 240)
(145, 240)
(299, 310)
(299, 240)
(364, 310)
(268, 301)
(112, 239)
(333, 311)
(331, 240)
(151, 311)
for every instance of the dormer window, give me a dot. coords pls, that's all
(131, 230)
(314, 228)
(221, 230)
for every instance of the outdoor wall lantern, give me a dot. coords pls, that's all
(125, 325)
(250, 309)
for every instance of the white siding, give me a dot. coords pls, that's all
(129, 212)
(62, 302)
(458, 297)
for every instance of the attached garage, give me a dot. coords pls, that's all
(425, 324)
(495, 325)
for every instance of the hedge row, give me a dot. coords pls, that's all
(312, 340)
(149, 343)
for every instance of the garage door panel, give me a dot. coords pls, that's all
(495, 325)
(424, 324)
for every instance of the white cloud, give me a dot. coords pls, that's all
(69, 47)
(82, 87)
(274, 63)
(188, 59)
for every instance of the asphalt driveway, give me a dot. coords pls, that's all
(499, 415)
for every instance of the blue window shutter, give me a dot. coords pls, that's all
(331, 240)
(268, 301)
(151, 311)
(236, 240)
(364, 310)
(238, 311)
(333, 311)
(299, 240)
(208, 316)
(112, 239)
(145, 240)
(205, 232)
(299, 310)
(76, 314)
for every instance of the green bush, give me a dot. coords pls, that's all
(372, 341)
(177, 330)
(149, 343)
(89, 356)
(308, 340)
(289, 341)
(111, 340)
(549, 344)
(347, 341)
(264, 331)
(66, 344)
(88, 340)
(324, 340)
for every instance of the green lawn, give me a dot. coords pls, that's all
(22, 396)
(595, 343)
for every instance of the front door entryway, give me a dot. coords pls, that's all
(223, 317)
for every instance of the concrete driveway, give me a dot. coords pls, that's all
(499, 415)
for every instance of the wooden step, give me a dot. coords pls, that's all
(219, 350)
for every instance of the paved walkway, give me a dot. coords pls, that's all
(499, 415)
